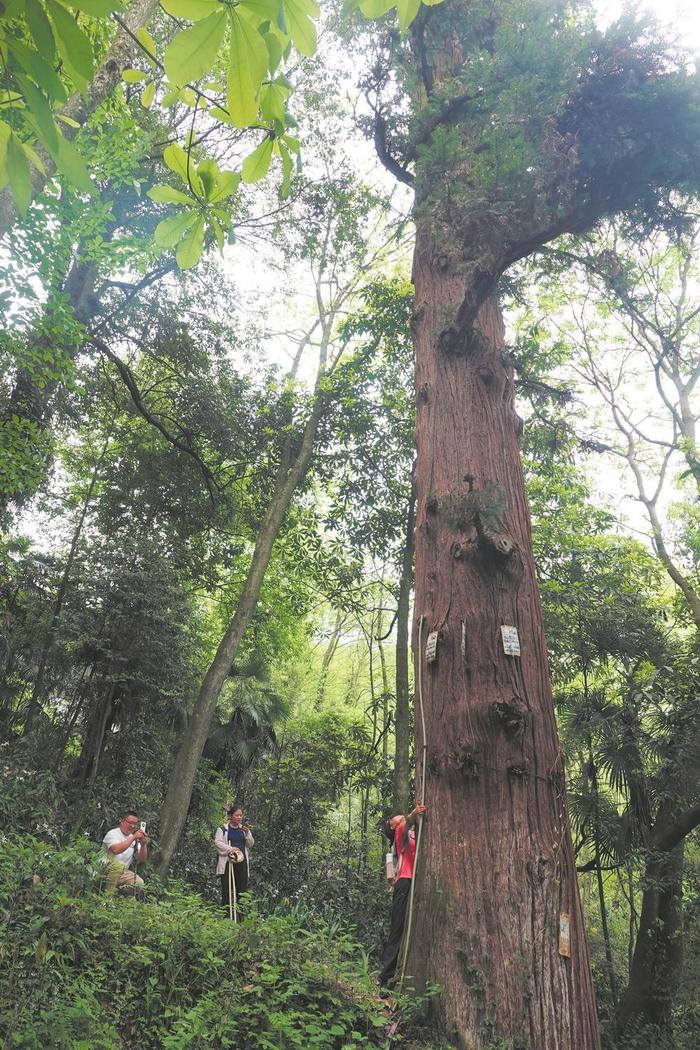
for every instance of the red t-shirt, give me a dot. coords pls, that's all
(407, 853)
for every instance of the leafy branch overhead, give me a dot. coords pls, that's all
(51, 52)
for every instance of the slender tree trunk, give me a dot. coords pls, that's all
(658, 952)
(94, 739)
(385, 686)
(38, 692)
(497, 876)
(327, 658)
(402, 715)
(179, 793)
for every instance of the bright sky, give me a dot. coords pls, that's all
(682, 15)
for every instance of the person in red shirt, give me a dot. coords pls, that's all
(400, 831)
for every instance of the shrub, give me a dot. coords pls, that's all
(85, 971)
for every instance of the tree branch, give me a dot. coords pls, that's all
(672, 835)
(129, 381)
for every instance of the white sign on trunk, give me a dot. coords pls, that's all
(511, 642)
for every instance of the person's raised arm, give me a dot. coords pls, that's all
(413, 816)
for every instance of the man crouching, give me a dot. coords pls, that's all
(122, 846)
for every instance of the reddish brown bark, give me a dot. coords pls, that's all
(497, 868)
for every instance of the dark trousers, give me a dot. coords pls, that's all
(399, 906)
(240, 878)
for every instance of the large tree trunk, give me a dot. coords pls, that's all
(658, 952)
(496, 871)
(402, 715)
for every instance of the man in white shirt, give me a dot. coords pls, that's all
(121, 846)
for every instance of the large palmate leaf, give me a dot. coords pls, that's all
(192, 10)
(257, 164)
(192, 52)
(74, 46)
(299, 15)
(248, 68)
(189, 250)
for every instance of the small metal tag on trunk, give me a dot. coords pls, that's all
(511, 641)
(565, 934)
(431, 647)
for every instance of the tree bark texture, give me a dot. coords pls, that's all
(402, 715)
(496, 870)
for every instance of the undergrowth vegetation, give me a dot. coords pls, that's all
(86, 971)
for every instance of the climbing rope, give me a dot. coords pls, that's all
(421, 796)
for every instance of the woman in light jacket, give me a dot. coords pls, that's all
(232, 841)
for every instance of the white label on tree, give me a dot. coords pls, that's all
(431, 647)
(565, 934)
(511, 642)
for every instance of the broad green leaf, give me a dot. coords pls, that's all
(11, 100)
(67, 120)
(188, 96)
(96, 8)
(376, 8)
(298, 16)
(218, 233)
(38, 69)
(274, 50)
(74, 46)
(40, 28)
(257, 164)
(247, 70)
(5, 132)
(134, 76)
(272, 100)
(168, 195)
(148, 94)
(291, 143)
(40, 110)
(223, 217)
(192, 10)
(147, 43)
(407, 11)
(69, 161)
(220, 114)
(208, 172)
(189, 250)
(170, 231)
(34, 158)
(193, 52)
(176, 159)
(262, 8)
(17, 167)
(226, 185)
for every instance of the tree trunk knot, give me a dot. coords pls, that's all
(513, 716)
(464, 759)
(423, 395)
(519, 770)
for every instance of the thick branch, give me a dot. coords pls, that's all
(130, 383)
(672, 835)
